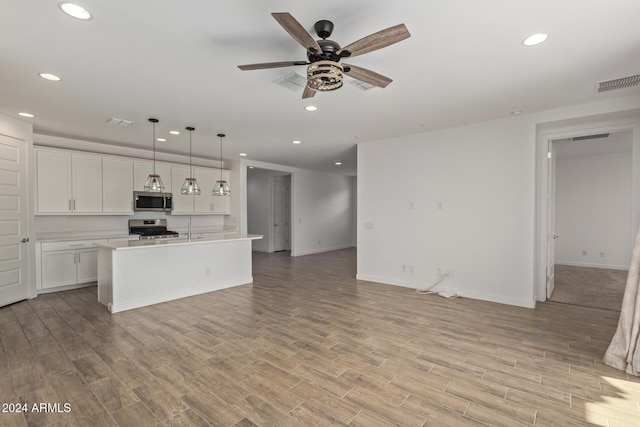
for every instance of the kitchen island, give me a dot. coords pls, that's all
(138, 273)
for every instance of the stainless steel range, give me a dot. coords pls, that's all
(151, 229)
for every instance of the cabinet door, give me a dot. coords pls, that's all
(204, 202)
(117, 186)
(182, 204)
(58, 268)
(222, 204)
(87, 184)
(53, 177)
(87, 265)
(141, 171)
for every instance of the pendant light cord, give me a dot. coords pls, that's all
(154, 148)
(221, 135)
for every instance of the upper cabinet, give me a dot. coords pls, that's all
(205, 203)
(117, 186)
(69, 182)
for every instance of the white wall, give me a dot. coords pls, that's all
(593, 210)
(321, 208)
(463, 199)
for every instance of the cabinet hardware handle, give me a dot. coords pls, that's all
(69, 204)
(74, 204)
(79, 244)
(25, 240)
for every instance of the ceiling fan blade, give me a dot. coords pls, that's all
(270, 65)
(367, 76)
(377, 40)
(308, 92)
(297, 31)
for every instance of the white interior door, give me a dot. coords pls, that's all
(551, 219)
(280, 212)
(14, 220)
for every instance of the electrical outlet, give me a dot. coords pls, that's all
(602, 254)
(404, 268)
(584, 253)
(445, 272)
(410, 268)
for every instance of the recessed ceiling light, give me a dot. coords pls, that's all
(26, 115)
(75, 11)
(535, 39)
(174, 132)
(311, 108)
(48, 76)
(161, 140)
(243, 154)
(296, 142)
(338, 163)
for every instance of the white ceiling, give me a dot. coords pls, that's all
(177, 61)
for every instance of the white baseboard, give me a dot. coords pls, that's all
(463, 293)
(592, 265)
(319, 251)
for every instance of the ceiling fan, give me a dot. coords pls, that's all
(324, 71)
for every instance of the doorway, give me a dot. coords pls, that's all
(15, 250)
(269, 209)
(590, 184)
(600, 247)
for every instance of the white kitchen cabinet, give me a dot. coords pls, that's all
(68, 183)
(117, 186)
(68, 263)
(204, 204)
(142, 169)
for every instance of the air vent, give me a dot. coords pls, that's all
(119, 122)
(362, 85)
(292, 81)
(586, 137)
(619, 83)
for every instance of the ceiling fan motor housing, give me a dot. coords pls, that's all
(329, 52)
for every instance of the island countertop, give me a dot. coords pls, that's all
(148, 243)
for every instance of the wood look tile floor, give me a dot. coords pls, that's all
(308, 345)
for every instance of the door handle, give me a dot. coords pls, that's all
(25, 240)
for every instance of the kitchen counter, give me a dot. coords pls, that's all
(62, 236)
(139, 273)
(175, 241)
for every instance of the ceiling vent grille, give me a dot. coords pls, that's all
(118, 122)
(618, 83)
(292, 81)
(586, 137)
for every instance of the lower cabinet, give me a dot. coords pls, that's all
(68, 263)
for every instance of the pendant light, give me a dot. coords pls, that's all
(221, 188)
(154, 182)
(190, 186)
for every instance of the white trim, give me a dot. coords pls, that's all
(591, 265)
(311, 252)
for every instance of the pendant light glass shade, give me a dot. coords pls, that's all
(190, 186)
(154, 182)
(221, 188)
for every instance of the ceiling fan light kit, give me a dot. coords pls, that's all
(324, 75)
(324, 71)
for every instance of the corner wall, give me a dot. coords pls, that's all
(461, 199)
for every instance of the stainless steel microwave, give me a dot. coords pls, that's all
(157, 202)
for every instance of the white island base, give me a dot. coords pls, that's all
(139, 273)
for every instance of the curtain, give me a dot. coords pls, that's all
(624, 351)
